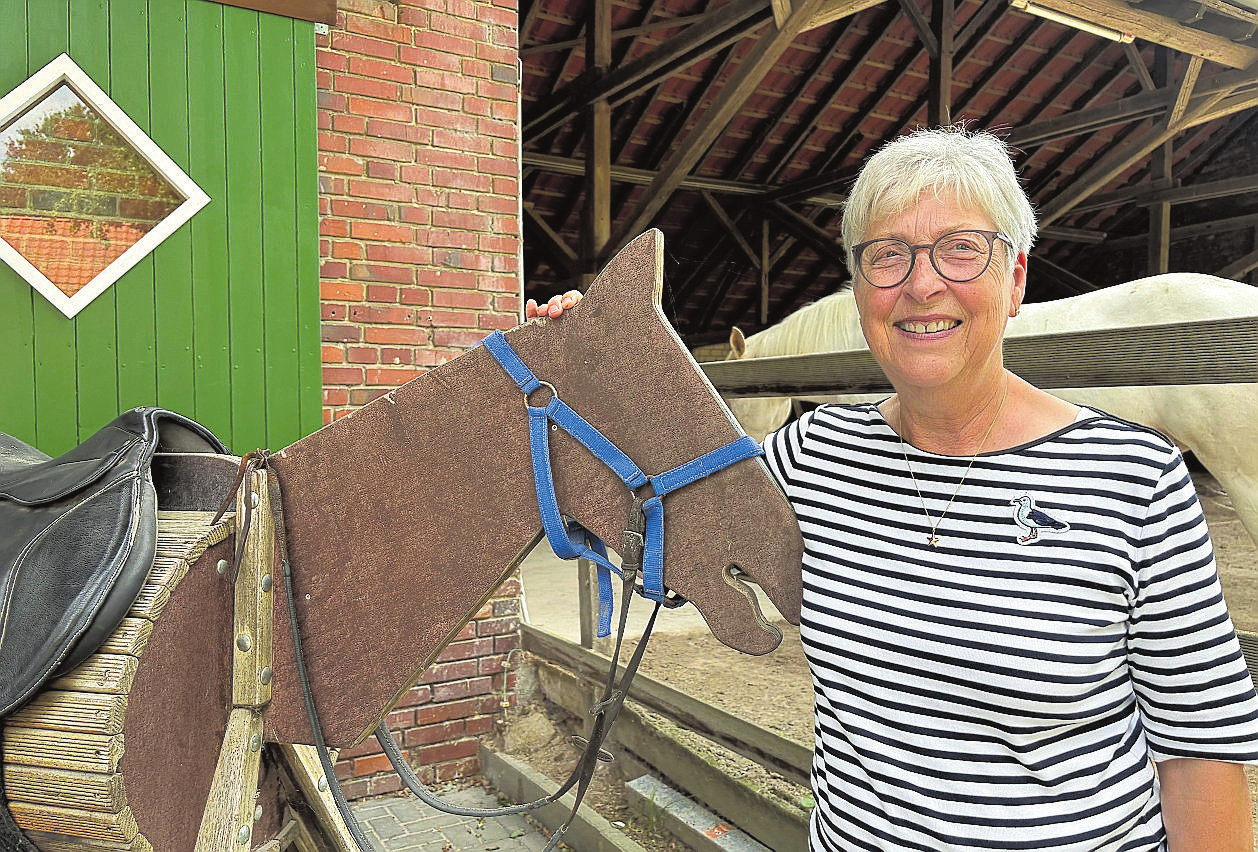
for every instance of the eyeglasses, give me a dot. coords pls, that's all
(958, 256)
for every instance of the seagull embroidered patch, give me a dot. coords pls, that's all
(1033, 521)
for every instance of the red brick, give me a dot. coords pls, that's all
(377, 272)
(342, 290)
(479, 726)
(382, 170)
(335, 396)
(440, 238)
(427, 58)
(368, 86)
(451, 671)
(382, 314)
(333, 269)
(355, 209)
(330, 311)
(347, 250)
(444, 137)
(331, 355)
(462, 180)
(417, 216)
(466, 768)
(363, 355)
(385, 784)
(340, 165)
(366, 748)
(445, 43)
(457, 26)
(379, 109)
(341, 333)
(397, 356)
(374, 763)
(362, 396)
(448, 751)
(376, 28)
(365, 45)
(345, 124)
(467, 707)
(399, 254)
(499, 322)
(466, 650)
(380, 189)
(449, 319)
(391, 70)
(429, 734)
(491, 626)
(381, 293)
(463, 299)
(385, 149)
(390, 377)
(342, 376)
(381, 231)
(397, 335)
(447, 120)
(380, 128)
(434, 99)
(465, 220)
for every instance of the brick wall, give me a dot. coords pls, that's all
(420, 238)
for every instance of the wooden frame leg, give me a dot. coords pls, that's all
(228, 820)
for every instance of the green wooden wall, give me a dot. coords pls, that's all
(221, 322)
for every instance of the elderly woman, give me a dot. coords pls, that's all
(1011, 611)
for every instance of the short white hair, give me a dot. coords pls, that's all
(974, 166)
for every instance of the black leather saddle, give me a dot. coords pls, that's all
(78, 535)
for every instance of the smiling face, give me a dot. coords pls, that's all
(930, 333)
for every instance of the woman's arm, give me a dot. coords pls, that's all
(1205, 806)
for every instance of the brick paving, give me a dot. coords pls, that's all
(404, 824)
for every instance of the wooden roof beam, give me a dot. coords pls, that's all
(689, 150)
(1156, 28)
(1134, 108)
(1240, 267)
(820, 241)
(834, 10)
(562, 256)
(718, 30)
(1201, 109)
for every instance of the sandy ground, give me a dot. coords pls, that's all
(685, 655)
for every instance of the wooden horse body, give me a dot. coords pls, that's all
(401, 520)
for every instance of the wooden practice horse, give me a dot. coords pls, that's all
(400, 521)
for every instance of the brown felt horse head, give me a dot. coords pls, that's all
(403, 518)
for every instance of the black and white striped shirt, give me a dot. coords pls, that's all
(1009, 688)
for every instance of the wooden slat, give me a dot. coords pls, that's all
(62, 749)
(100, 673)
(82, 712)
(115, 828)
(88, 791)
(1206, 352)
(131, 638)
(60, 843)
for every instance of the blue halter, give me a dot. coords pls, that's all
(570, 540)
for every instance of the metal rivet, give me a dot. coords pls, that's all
(255, 742)
(267, 583)
(222, 566)
(265, 675)
(243, 642)
(253, 499)
(323, 783)
(257, 813)
(246, 832)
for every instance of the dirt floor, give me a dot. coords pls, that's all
(700, 666)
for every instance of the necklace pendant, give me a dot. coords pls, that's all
(932, 540)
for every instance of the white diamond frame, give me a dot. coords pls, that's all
(63, 70)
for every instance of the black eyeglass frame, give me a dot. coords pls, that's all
(859, 249)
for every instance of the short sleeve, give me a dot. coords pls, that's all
(784, 448)
(1195, 694)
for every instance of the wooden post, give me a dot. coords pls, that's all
(939, 106)
(1160, 165)
(597, 225)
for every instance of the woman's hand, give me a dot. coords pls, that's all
(553, 308)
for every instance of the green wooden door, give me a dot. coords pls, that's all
(221, 321)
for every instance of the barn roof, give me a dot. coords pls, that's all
(737, 126)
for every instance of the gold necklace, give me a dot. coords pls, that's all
(933, 538)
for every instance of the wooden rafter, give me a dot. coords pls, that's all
(751, 70)
(718, 30)
(1158, 29)
(1201, 109)
(822, 242)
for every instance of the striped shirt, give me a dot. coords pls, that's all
(1009, 688)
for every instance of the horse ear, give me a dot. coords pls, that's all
(635, 275)
(737, 343)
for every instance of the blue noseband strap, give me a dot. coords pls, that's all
(569, 539)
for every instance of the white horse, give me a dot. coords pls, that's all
(1219, 423)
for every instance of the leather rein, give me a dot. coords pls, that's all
(642, 549)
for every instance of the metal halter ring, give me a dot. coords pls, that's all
(554, 394)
